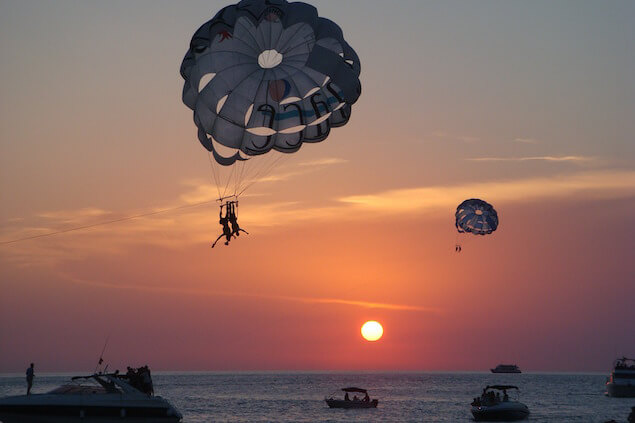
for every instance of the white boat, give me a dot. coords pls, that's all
(621, 383)
(506, 368)
(102, 398)
(490, 406)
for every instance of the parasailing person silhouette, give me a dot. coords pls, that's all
(262, 79)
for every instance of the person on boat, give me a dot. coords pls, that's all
(131, 375)
(355, 398)
(146, 380)
(498, 397)
(30, 374)
(505, 396)
(224, 221)
(346, 397)
(491, 398)
(366, 398)
(233, 219)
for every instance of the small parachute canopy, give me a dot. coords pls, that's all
(476, 216)
(267, 75)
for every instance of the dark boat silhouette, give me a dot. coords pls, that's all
(491, 407)
(621, 383)
(506, 368)
(366, 402)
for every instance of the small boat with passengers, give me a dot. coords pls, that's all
(490, 406)
(621, 383)
(355, 402)
(100, 397)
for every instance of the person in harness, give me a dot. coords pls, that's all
(224, 221)
(233, 218)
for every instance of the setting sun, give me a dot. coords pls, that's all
(372, 330)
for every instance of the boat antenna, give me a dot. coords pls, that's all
(101, 356)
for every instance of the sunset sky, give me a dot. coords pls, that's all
(528, 105)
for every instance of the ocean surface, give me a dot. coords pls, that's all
(403, 397)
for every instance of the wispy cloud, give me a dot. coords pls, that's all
(86, 212)
(185, 225)
(578, 159)
(202, 190)
(615, 184)
(198, 292)
(323, 162)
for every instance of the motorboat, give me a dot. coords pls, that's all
(621, 382)
(490, 406)
(355, 402)
(100, 397)
(506, 368)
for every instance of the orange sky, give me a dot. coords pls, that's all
(356, 228)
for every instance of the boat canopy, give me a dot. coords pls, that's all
(353, 389)
(500, 387)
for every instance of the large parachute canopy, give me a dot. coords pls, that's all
(476, 216)
(268, 75)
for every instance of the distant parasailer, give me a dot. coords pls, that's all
(475, 216)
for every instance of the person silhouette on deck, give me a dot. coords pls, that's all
(29, 379)
(224, 221)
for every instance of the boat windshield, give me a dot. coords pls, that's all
(77, 389)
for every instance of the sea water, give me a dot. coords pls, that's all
(403, 397)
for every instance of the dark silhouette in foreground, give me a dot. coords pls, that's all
(29, 379)
(233, 219)
(140, 379)
(365, 402)
(230, 218)
(491, 407)
(224, 221)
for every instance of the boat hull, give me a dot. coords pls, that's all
(22, 418)
(501, 412)
(103, 408)
(619, 390)
(504, 371)
(335, 403)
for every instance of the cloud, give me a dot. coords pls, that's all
(578, 159)
(181, 226)
(198, 292)
(323, 162)
(201, 190)
(73, 215)
(615, 184)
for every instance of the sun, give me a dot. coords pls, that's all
(372, 330)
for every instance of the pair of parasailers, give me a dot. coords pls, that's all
(230, 218)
